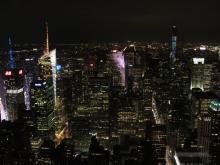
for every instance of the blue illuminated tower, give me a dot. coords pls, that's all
(174, 43)
(11, 64)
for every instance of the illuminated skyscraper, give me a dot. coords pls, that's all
(216, 78)
(208, 75)
(14, 84)
(200, 107)
(174, 44)
(47, 75)
(28, 80)
(47, 64)
(197, 73)
(92, 115)
(215, 132)
(119, 61)
(3, 106)
(201, 102)
(127, 121)
(201, 74)
(42, 103)
(133, 68)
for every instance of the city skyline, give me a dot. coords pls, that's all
(109, 83)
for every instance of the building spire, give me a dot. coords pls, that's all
(11, 64)
(46, 42)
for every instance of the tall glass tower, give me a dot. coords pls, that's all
(174, 44)
(42, 103)
(47, 63)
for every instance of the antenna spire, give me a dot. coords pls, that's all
(46, 44)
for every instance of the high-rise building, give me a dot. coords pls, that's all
(92, 116)
(200, 105)
(47, 71)
(3, 105)
(159, 136)
(131, 119)
(208, 76)
(215, 132)
(98, 101)
(201, 74)
(216, 78)
(48, 74)
(204, 128)
(48, 63)
(197, 73)
(132, 62)
(127, 121)
(42, 103)
(174, 44)
(14, 84)
(201, 120)
(119, 61)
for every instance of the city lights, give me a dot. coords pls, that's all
(8, 73)
(105, 83)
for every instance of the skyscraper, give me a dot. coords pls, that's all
(92, 116)
(201, 74)
(47, 63)
(42, 103)
(119, 61)
(3, 106)
(43, 90)
(197, 73)
(174, 44)
(215, 132)
(14, 84)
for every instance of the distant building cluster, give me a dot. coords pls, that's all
(129, 103)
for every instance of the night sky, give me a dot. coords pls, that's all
(109, 20)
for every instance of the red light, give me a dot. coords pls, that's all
(91, 64)
(8, 73)
(20, 72)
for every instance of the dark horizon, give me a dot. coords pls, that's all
(99, 21)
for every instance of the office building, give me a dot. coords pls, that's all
(42, 103)
(197, 73)
(173, 45)
(214, 132)
(14, 84)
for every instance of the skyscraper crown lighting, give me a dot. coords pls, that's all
(11, 64)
